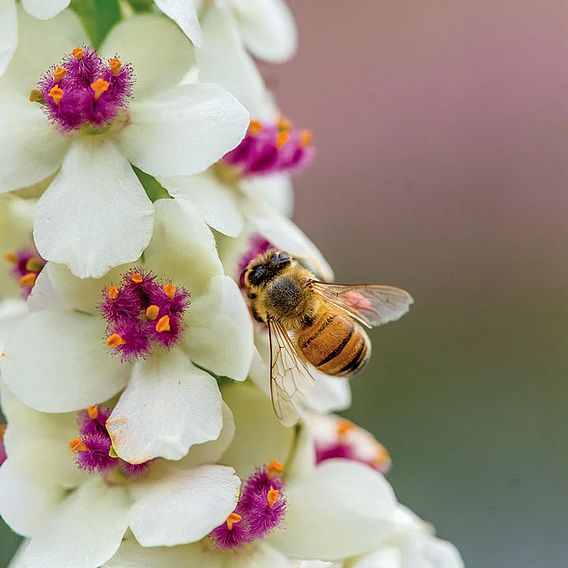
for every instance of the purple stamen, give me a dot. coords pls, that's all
(272, 148)
(27, 265)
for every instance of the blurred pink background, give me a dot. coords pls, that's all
(442, 132)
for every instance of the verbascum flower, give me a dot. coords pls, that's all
(95, 114)
(159, 330)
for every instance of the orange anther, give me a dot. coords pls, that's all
(28, 280)
(60, 72)
(115, 340)
(255, 126)
(56, 93)
(100, 86)
(116, 65)
(77, 445)
(275, 468)
(272, 496)
(344, 427)
(281, 138)
(35, 96)
(93, 412)
(112, 292)
(232, 519)
(306, 138)
(2, 430)
(137, 278)
(78, 53)
(34, 264)
(169, 291)
(152, 312)
(10, 257)
(163, 324)
(284, 123)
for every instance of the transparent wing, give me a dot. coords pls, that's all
(290, 377)
(371, 305)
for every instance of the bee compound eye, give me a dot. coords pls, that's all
(257, 275)
(279, 259)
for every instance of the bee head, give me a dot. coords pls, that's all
(264, 268)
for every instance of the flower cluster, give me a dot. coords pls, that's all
(135, 384)
(142, 312)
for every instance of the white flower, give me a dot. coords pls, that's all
(56, 361)
(77, 520)
(95, 214)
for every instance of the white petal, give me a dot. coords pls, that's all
(57, 362)
(330, 394)
(386, 557)
(37, 443)
(219, 336)
(8, 32)
(268, 28)
(183, 13)
(84, 531)
(158, 51)
(222, 59)
(216, 202)
(354, 501)
(183, 506)
(41, 44)
(285, 235)
(262, 556)
(183, 247)
(12, 314)
(211, 452)
(95, 214)
(182, 131)
(25, 503)
(132, 555)
(31, 149)
(275, 190)
(168, 406)
(45, 295)
(44, 9)
(259, 436)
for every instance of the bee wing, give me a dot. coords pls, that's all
(290, 377)
(371, 305)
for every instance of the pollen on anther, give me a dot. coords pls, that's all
(60, 72)
(113, 292)
(275, 469)
(34, 264)
(78, 53)
(281, 138)
(56, 93)
(255, 126)
(306, 138)
(170, 291)
(272, 496)
(28, 280)
(99, 87)
(284, 124)
(115, 64)
(11, 257)
(137, 278)
(344, 427)
(77, 445)
(115, 340)
(163, 324)
(232, 519)
(152, 312)
(93, 412)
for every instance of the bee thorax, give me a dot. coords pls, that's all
(283, 296)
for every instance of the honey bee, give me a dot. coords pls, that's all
(313, 324)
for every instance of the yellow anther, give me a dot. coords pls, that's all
(169, 291)
(163, 324)
(152, 312)
(10, 257)
(112, 292)
(306, 138)
(78, 53)
(56, 93)
(2, 430)
(93, 412)
(77, 445)
(60, 72)
(232, 519)
(255, 126)
(344, 427)
(34, 264)
(115, 340)
(272, 496)
(112, 453)
(36, 96)
(275, 468)
(28, 280)
(100, 86)
(284, 124)
(137, 278)
(381, 459)
(281, 138)
(116, 65)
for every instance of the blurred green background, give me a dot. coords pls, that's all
(442, 132)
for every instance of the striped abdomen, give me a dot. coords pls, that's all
(335, 345)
